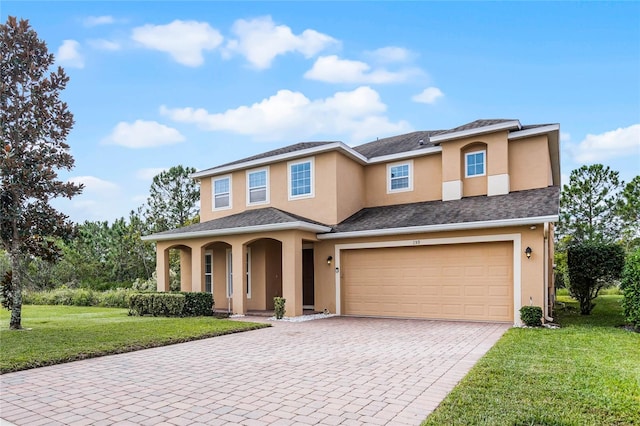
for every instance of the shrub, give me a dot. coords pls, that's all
(83, 297)
(118, 298)
(591, 267)
(278, 307)
(79, 297)
(171, 304)
(531, 316)
(630, 286)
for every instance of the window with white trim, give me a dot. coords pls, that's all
(257, 186)
(222, 193)
(208, 272)
(399, 177)
(301, 179)
(474, 163)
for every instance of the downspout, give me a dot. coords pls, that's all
(546, 273)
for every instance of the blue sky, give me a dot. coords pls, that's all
(157, 84)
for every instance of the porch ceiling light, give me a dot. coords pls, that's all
(528, 252)
(329, 259)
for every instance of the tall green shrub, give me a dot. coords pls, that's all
(631, 287)
(591, 267)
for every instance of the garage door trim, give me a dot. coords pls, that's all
(515, 238)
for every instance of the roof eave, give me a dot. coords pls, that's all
(406, 154)
(507, 125)
(333, 146)
(502, 223)
(287, 226)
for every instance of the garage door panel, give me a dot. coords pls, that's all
(463, 281)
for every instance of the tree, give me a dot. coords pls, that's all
(34, 124)
(591, 267)
(629, 212)
(588, 205)
(173, 199)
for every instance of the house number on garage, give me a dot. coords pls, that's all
(416, 242)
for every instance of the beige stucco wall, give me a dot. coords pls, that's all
(427, 182)
(477, 185)
(529, 163)
(532, 270)
(350, 187)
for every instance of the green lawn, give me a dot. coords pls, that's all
(586, 373)
(67, 333)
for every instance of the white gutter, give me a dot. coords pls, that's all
(477, 131)
(301, 226)
(437, 228)
(534, 131)
(546, 273)
(403, 155)
(282, 157)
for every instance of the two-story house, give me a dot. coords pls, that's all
(447, 224)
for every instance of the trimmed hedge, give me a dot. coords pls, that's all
(531, 316)
(631, 287)
(183, 304)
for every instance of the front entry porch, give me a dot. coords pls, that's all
(245, 272)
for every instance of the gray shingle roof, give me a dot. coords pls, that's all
(257, 217)
(284, 150)
(515, 205)
(476, 125)
(396, 144)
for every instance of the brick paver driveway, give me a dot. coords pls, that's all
(332, 371)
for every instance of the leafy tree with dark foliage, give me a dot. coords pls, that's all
(591, 267)
(34, 124)
(173, 199)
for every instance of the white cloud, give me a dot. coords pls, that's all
(102, 44)
(260, 40)
(143, 134)
(185, 41)
(92, 21)
(150, 173)
(69, 54)
(428, 96)
(332, 69)
(291, 115)
(615, 143)
(390, 54)
(95, 185)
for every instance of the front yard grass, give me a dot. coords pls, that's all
(585, 373)
(67, 333)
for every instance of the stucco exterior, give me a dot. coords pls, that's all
(254, 260)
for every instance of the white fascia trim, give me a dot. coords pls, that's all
(535, 131)
(288, 156)
(502, 223)
(403, 155)
(301, 226)
(477, 131)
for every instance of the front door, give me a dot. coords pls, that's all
(307, 279)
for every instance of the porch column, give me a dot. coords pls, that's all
(197, 260)
(162, 268)
(292, 274)
(185, 269)
(239, 279)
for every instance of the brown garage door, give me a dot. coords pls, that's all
(456, 281)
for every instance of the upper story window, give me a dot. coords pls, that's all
(400, 177)
(257, 186)
(301, 179)
(222, 193)
(475, 163)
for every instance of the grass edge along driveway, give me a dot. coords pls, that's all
(585, 373)
(61, 334)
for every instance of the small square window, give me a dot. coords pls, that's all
(475, 164)
(222, 193)
(399, 177)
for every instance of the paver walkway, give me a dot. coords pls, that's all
(347, 371)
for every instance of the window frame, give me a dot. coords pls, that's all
(208, 254)
(409, 187)
(213, 192)
(266, 186)
(484, 163)
(311, 193)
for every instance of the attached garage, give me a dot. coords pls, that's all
(470, 281)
